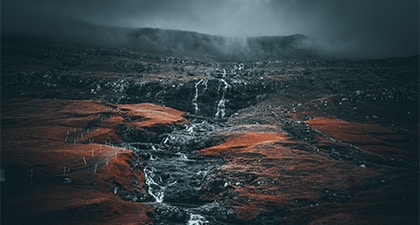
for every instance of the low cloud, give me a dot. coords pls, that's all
(358, 28)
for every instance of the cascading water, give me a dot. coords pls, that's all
(174, 173)
(221, 105)
(197, 93)
(175, 176)
(154, 183)
(201, 87)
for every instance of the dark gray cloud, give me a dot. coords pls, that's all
(369, 28)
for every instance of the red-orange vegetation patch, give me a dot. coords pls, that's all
(80, 107)
(67, 204)
(101, 135)
(265, 176)
(149, 115)
(369, 137)
(98, 174)
(54, 176)
(281, 181)
(112, 122)
(119, 171)
(104, 132)
(242, 141)
(53, 159)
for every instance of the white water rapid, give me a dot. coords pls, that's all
(154, 182)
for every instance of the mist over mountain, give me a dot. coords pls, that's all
(351, 29)
(175, 41)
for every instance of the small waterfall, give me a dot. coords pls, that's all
(197, 89)
(221, 91)
(175, 176)
(154, 182)
(221, 104)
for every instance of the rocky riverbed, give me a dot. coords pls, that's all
(123, 136)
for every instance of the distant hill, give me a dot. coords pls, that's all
(175, 41)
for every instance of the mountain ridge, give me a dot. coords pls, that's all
(174, 41)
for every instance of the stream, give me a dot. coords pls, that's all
(176, 176)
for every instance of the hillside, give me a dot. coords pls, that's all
(165, 128)
(174, 41)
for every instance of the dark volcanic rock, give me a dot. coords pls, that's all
(281, 141)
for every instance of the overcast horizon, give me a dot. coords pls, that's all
(375, 28)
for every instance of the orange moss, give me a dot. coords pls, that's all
(151, 115)
(101, 135)
(346, 131)
(112, 122)
(36, 160)
(367, 136)
(119, 171)
(64, 204)
(266, 175)
(242, 141)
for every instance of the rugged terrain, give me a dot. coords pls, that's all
(95, 135)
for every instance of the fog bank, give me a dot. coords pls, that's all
(359, 28)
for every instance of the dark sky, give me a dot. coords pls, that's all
(370, 28)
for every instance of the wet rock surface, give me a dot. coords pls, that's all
(171, 139)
